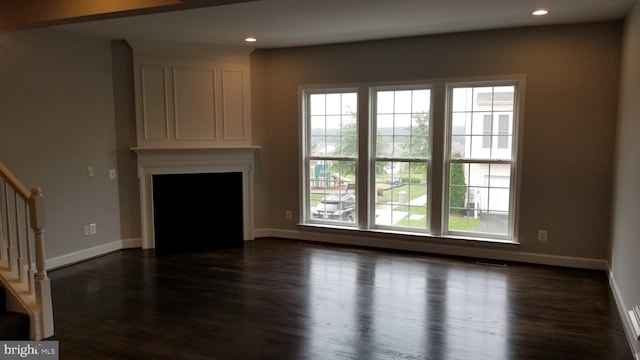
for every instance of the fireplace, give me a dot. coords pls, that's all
(196, 199)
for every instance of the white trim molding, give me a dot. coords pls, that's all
(623, 311)
(86, 254)
(194, 161)
(82, 255)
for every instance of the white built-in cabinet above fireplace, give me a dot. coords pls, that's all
(191, 95)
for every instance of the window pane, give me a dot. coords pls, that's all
(385, 124)
(317, 104)
(400, 146)
(479, 121)
(318, 146)
(486, 130)
(401, 194)
(458, 222)
(503, 98)
(402, 123)
(334, 104)
(483, 98)
(462, 99)
(485, 115)
(348, 142)
(479, 197)
(383, 145)
(349, 103)
(419, 147)
(503, 139)
(419, 140)
(477, 174)
(402, 102)
(498, 199)
(384, 102)
(503, 143)
(459, 123)
(332, 190)
(493, 222)
(458, 186)
(421, 102)
(333, 124)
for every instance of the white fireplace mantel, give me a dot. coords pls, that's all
(158, 161)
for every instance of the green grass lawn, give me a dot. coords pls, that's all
(462, 223)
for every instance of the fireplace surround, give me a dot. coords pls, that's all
(194, 161)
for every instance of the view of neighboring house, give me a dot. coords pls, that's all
(483, 131)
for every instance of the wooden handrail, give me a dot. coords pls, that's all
(12, 254)
(21, 189)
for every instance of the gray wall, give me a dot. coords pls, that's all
(260, 133)
(125, 124)
(572, 74)
(625, 257)
(56, 118)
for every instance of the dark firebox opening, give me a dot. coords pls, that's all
(197, 212)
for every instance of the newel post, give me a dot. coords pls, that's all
(44, 323)
(36, 209)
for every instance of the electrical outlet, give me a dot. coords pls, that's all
(542, 235)
(288, 215)
(90, 170)
(93, 229)
(86, 230)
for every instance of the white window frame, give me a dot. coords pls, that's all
(373, 120)
(510, 236)
(439, 162)
(307, 158)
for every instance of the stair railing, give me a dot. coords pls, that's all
(21, 242)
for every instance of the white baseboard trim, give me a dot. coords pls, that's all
(437, 247)
(262, 233)
(132, 243)
(624, 316)
(85, 254)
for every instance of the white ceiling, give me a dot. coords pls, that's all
(286, 23)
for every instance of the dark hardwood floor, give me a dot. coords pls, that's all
(281, 299)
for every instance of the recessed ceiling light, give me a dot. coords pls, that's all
(540, 12)
(250, 39)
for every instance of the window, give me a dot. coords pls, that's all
(401, 161)
(480, 199)
(472, 127)
(332, 154)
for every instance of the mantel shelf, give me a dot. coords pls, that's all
(184, 151)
